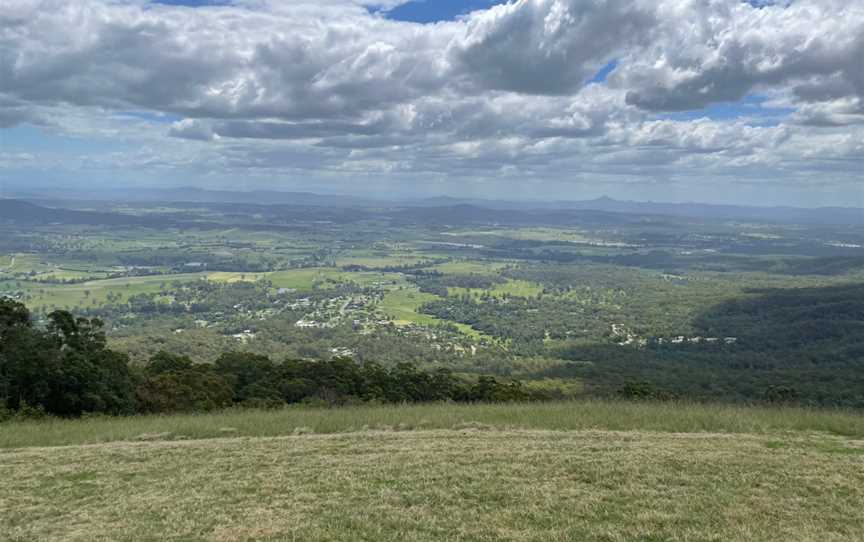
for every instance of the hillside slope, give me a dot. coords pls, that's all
(440, 485)
(439, 472)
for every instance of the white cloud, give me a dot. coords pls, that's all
(192, 129)
(329, 88)
(839, 112)
(548, 46)
(706, 52)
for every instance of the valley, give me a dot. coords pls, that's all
(596, 299)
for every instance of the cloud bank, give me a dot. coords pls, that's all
(701, 93)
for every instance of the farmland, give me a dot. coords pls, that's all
(589, 302)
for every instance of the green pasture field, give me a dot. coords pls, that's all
(375, 279)
(402, 305)
(96, 292)
(233, 276)
(304, 279)
(74, 295)
(546, 234)
(40, 268)
(27, 263)
(529, 234)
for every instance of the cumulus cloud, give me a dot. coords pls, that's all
(838, 112)
(333, 86)
(221, 62)
(707, 52)
(548, 46)
(327, 59)
(192, 129)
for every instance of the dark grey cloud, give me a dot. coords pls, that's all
(328, 61)
(548, 47)
(219, 62)
(14, 112)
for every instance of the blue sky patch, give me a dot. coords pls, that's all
(432, 11)
(751, 107)
(604, 72)
(28, 138)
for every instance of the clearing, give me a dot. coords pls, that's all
(434, 472)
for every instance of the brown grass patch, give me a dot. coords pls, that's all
(474, 485)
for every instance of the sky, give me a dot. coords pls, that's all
(726, 101)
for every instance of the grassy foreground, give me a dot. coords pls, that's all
(564, 471)
(557, 416)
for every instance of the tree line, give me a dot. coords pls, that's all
(65, 368)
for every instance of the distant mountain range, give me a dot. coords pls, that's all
(24, 212)
(199, 195)
(706, 211)
(703, 211)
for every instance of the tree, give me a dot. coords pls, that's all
(12, 315)
(78, 334)
(184, 390)
(781, 394)
(65, 369)
(165, 362)
(251, 375)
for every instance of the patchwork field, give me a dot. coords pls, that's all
(96, 292)
(403, 304)
(577, 304)
(535, 234)
(483, 476)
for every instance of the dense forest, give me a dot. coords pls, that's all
(807, 341)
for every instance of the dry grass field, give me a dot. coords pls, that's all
(473, 481)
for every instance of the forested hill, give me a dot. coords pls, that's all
(275, 216)
(703, 211)
(28, 213)
(430, 212)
